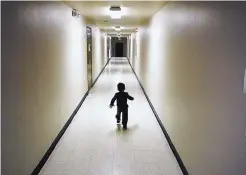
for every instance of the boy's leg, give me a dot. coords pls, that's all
(118, 115)
(125, 118)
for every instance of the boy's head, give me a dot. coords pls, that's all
(121, 87)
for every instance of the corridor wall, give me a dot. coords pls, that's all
(44, 77)
(98, 49)
(193, 75)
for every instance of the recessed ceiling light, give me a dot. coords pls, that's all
(117, 28)
(115, 16)
(115, 12)
(75, 13)
(115, 8)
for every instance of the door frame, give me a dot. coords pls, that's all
(89, 56)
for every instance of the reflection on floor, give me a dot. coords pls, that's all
(95, 145)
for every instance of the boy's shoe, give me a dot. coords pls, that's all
(118, 120)
(124, 127)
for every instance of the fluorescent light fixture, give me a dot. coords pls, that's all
(117, 28)
(75, 13)
(115, 16)
(115, 8)
(115, 12)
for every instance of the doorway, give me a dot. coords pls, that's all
(119, 49)
(108, 47)
(89, 56)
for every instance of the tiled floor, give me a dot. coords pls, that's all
(94, 145)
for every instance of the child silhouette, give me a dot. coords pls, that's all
(122, 106)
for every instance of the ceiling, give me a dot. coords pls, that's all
(134, 13)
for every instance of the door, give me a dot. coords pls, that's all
(119, 49)
(108, 47)
(89, 56)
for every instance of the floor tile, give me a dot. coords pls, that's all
(53, 168)
(149, 168)
(95, 145)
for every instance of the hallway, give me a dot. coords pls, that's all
(189, 57)
(93, 144)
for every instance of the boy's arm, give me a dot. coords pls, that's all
(113, 100)
(129, 97)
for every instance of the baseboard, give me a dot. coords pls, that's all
(175, 152)
(46, 156)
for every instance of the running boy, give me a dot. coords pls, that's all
(122, 106)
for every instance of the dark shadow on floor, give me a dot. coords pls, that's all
(130, 129)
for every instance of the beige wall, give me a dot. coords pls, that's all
(44, 77)
(103, 41)
(193, 75)
(133, 49)
(99, 48)
(97, 58)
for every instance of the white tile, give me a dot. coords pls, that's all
(145, 156)
(123, 142)
(124, 157)
(125, 169)
(53, 168)
(94, 145)
(101, 167)
(60, 155)
(77, 168)
(82, 156)
(142, 143)
(149, 168)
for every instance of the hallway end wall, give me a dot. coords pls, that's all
(193, 75)
(115, 40)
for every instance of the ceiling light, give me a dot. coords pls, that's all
(115, 16)
(117, 28)
(115, 12)
(75, 13)
(115, 8)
